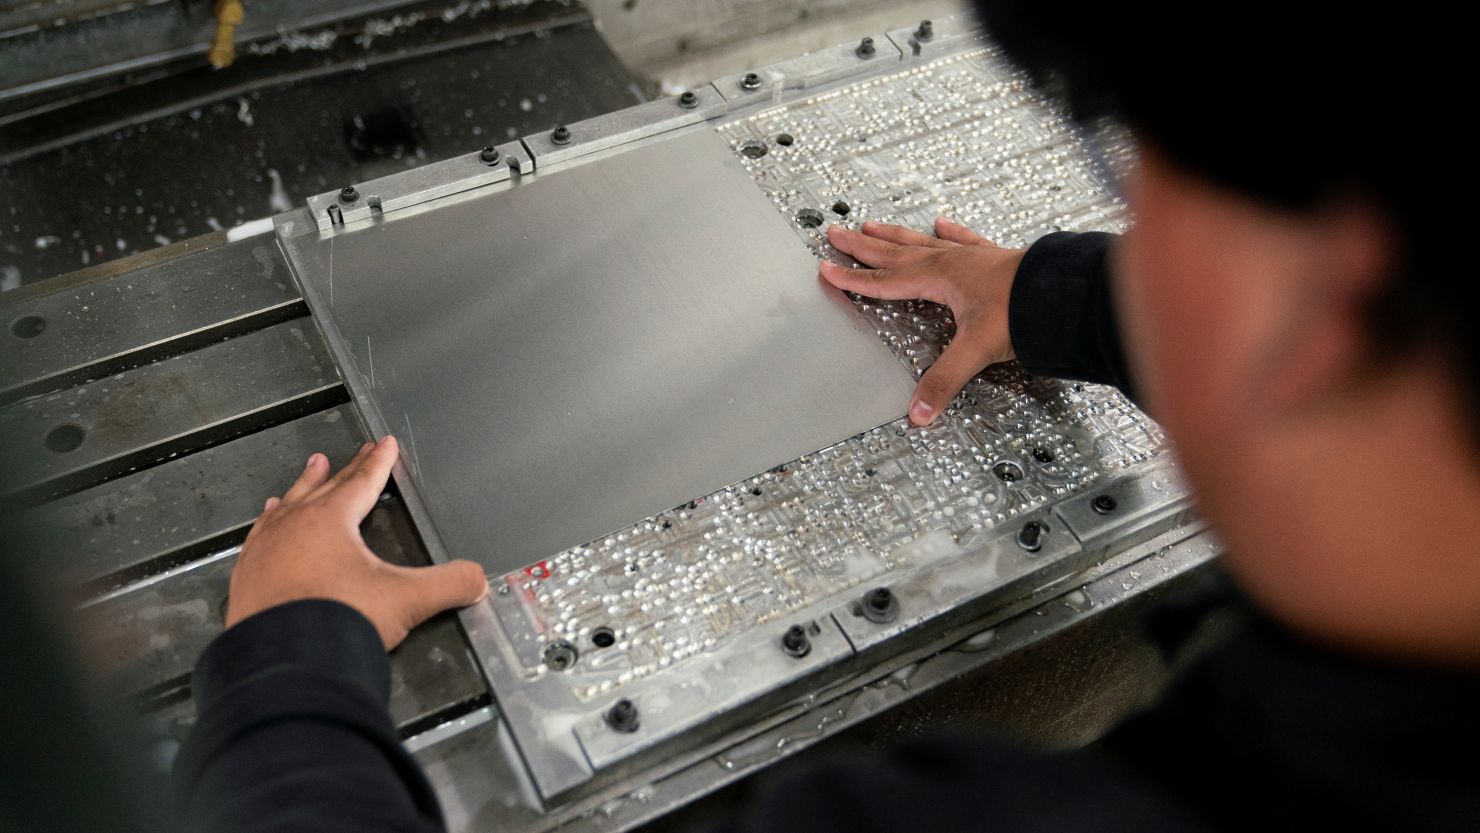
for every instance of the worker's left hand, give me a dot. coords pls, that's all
(958, 268)
(307, 545)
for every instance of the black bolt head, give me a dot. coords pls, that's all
(880, 605)
(622, 716)
(795, 641)
(926, 31)
(688, 100)
(348, 194)
(1030, 537)
(865, 48)
(1103, 504)
(751, 81)
(560, 135)
(489, 156)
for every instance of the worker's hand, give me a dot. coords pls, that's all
(958, 268)
(307, 545)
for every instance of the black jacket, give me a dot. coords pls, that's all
(1265, 732)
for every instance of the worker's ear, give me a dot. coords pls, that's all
(1327, 344)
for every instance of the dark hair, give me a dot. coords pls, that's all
(1291, 104)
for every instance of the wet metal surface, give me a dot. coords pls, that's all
(63, 336)
(193, 505)
(188, 161)
(107, 427)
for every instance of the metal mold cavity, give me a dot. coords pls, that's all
(1008, 471)
(560, 655)
(809, 218)
(752, 148)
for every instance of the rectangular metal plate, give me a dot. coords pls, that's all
(568, 353)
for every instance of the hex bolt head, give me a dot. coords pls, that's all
(688, 100)
(865, 48)
(1103, 504)
(560, 135)
(880, 605)
(489, 156)
(926, 31)
(751, 81)
(795, 641)
(1030, 537)
(622, 716)
(348, 194)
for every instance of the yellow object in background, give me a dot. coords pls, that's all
(229, 15)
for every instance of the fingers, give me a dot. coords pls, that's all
(903, 236)
(957, 233)
(344, 474)
(873, 251)
(361, 482)
(313, 476)
(961, 360)
(271, 504)
(885, 284)
(431, 590)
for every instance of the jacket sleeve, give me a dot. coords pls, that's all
(293, 731)
(1061, 316)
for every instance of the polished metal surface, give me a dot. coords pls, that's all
(589, 347)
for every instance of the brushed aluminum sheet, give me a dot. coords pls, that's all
(570, 353)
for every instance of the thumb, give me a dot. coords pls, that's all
(956, 366)
(431, 590)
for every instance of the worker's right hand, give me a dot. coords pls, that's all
(307, 545)
(958, 268)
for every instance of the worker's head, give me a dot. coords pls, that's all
(1294, 297)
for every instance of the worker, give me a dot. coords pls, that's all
(1291, 308)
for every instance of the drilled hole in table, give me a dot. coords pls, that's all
(65, 438)
(28, 326)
